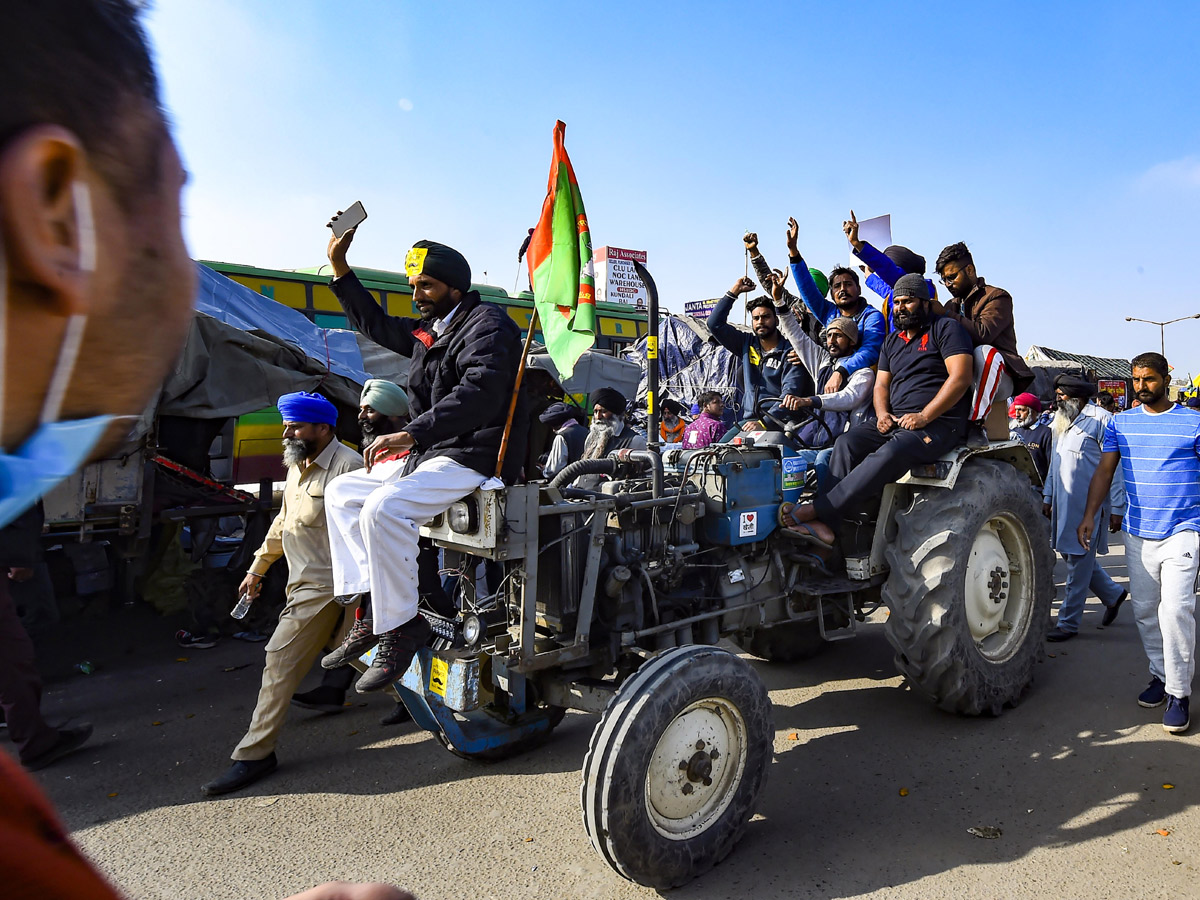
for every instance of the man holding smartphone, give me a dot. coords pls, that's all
(465, 354)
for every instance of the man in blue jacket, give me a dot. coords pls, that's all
(766, 371)
(465, 355)
(847, 301)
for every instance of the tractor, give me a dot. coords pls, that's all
(610, 589)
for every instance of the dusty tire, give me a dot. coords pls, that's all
(676, 764)
(970, 589)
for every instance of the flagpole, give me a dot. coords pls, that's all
(512, 406)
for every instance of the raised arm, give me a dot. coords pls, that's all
(812, 354)
(365, 315)
(718, 320)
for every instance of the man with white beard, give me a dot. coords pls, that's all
(311, 620)
(609, 430)
(1078, 428)
(1027, 427)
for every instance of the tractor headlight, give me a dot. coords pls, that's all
(472, 630)
(463, 516)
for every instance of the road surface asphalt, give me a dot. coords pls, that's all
(871, 792)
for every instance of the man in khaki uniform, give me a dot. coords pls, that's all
(311, 621)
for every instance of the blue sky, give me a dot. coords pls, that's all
(1061, 141)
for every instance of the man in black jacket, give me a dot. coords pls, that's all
(465, 355)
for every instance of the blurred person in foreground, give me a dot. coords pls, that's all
(92, 261)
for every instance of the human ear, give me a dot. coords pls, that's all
(41, 216)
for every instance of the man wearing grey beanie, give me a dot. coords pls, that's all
(832, 411)
(921, 400)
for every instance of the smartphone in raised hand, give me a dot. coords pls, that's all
(352, 217)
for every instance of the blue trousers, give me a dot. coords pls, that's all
(819, 460)
(1083, 575)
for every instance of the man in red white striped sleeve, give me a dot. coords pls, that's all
(986, 312)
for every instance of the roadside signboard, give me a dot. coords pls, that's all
(699, 309)
(616, 279)
(1114, 387)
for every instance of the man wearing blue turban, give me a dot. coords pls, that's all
(311, 621)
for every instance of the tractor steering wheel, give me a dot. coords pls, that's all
(760, 413)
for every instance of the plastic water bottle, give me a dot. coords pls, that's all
(243, 606)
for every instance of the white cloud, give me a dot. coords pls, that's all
(406, 104)
(1173, 175)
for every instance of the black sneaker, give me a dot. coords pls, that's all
(977, 437)
(194, 641)
(396, 650)
(69, 740)
(242, 773)
(360, 639)
(326, 699)
(1057, 635)
(397, 716)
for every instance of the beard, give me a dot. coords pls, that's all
(919, 318)
(599, 434)
(296, 451)
(1148, 398)
(1025, 421)
(1067, 411)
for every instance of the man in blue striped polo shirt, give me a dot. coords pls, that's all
(1158, 447)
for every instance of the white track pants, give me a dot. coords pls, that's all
(1162, 589)
(991, 380)
(374, 519)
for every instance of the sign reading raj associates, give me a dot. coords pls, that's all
(616, 279)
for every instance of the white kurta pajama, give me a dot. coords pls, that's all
(374, 524)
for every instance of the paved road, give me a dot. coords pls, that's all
(1074, 778)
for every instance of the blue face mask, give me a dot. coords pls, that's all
(56, 449)
(54, 452)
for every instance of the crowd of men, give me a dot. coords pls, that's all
(885, 389)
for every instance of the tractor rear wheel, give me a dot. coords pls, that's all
(970, 589)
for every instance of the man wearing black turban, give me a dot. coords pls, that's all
(609, 430)
(465, 355)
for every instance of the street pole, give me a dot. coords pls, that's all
(1162, 328)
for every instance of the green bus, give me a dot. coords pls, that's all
(256, 435)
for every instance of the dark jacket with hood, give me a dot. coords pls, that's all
(459, 383)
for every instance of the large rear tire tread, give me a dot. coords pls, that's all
(926, 591)
(613, 793)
